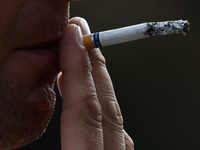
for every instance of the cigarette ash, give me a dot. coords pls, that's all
(167, 27)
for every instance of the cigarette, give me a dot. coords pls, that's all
(131, 33)
(135, 32)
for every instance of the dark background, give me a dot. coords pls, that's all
(156, 80)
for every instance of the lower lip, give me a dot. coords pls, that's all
(44, 64)
(43, 61)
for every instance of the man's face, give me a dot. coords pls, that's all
(28, 67)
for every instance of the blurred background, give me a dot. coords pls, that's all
(156, 80)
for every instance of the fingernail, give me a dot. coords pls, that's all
(85, 27)
(79, 36)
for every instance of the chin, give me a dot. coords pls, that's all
(22, 123)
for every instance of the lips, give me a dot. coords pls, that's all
(38, 66)
(41, 55)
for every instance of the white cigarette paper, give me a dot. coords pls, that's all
(135, 32)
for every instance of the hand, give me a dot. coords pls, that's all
(91, 116)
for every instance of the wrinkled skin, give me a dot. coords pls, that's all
(27, 67)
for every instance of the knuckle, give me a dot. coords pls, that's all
(93, 112)
(112, 113)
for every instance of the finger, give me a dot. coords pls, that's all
(81, 126)
(82, 23)
(128, 141)
(85, 30)
(59, 82)
(112, 118)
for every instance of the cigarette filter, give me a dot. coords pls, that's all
(135, 32)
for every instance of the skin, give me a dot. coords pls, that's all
(90, 116)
